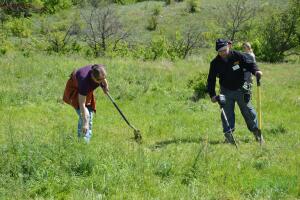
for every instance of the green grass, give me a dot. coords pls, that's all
(182, 155)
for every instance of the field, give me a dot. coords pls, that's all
(182, 155)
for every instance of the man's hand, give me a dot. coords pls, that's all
(214, 99)
(258, 75)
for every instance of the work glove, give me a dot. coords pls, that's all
(258, 75)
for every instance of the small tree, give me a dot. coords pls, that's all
(103, 29)
(61, 37)
(183, 44)
(281, 34)
(51, 6)
(236, 16)
(198, 84)
(152, 23)
(153, 20)
(59, 40)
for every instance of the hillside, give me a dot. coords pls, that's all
(182, 155)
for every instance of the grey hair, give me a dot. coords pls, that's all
(98, 69)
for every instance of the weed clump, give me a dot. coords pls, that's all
(198, 83)
(279, 129)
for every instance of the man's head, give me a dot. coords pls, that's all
(222, 48)
(98, 73)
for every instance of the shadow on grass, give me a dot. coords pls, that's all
(164, 143)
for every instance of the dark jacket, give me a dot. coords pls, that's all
(230, 72)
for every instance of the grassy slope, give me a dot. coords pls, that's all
(135, 17)
(182, 155)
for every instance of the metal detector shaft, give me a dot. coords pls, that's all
(227, 123)
(123, 116)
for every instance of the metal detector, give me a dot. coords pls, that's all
(222, 101)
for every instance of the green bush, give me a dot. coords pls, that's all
(19, 27)
(82, 166)
(280, 34)
(52, 6)
(59, 42)
(121, 49)
(198, 84)
(156, 11)
(56, 42)
(152, 23)
(168, 2)
(158, 48)
(192, 6)
(5, 44)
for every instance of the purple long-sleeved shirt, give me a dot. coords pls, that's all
(85, 82)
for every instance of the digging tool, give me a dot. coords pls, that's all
(222, 100)
(137, 133)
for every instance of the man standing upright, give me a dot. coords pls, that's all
(79, 94)
(229, 67)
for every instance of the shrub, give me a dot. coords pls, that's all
(152, 23)
(156, 11)
(192, 6)
(168, 2)
(158, 48)
(82, 166)
(19, 27)
(182, 44)
(198, 83)
(280, 34)
(52, 6)
(5, 44)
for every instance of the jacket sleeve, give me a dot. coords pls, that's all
(211, 80)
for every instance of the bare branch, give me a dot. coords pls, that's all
(234, 16)
(103, 30)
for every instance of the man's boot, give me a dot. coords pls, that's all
(229, 138)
